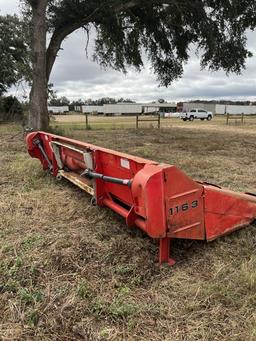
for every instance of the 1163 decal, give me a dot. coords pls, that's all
(183, 207)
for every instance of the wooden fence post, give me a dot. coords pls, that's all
(86, 121)
(227, 118)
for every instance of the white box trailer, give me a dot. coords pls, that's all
(187, 106)
(122, 108)
(220, 109)
(92, 109)
(128, 108)
(58, 109)
(137, 108)
(235, 109)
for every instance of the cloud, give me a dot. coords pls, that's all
(75, 76)
(9, 6)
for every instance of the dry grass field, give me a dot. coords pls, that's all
(70, 123)
(72, 271)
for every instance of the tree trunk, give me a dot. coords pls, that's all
(38, 114)
(43, 59)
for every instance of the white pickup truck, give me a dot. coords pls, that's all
(196, 113)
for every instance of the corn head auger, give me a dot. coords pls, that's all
(158, 198)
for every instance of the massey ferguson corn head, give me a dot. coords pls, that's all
(158, 198)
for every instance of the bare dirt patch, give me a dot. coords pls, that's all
(72, 271)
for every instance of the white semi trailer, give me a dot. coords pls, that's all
(137, 108)
(122, 109)
(129, 108)
(58, 110)
(92, 109)
(235, 109)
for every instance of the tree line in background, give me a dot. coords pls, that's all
(60, 101)
(124, 31)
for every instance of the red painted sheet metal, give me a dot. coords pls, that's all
(49, 137)
(226, 211)
(162, 200)
(184, 205)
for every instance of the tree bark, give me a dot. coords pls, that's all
(38, 114)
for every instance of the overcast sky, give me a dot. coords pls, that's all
(76, 77)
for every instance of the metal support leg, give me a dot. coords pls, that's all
(164, 252)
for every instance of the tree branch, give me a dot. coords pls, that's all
(128, 5)
(61, 33)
